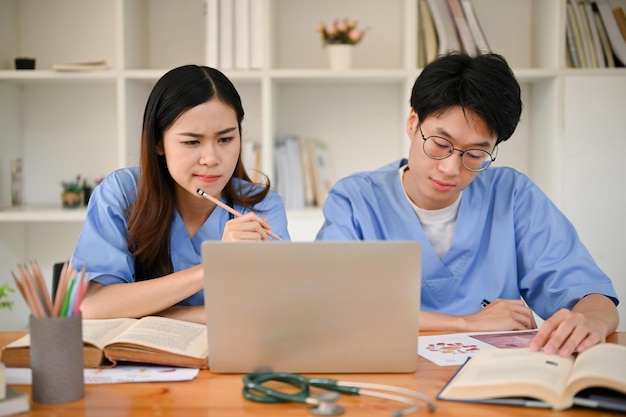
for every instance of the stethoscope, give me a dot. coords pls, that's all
(325, 402)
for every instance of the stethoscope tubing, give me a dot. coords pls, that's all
(254, 383)
(365, 387)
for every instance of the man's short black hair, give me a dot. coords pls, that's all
(484, 85)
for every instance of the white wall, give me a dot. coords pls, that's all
(594, 160)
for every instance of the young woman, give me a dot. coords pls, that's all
(141, 240)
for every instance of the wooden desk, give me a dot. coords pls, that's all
(220, 395)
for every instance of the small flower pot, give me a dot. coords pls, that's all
(71, 199)
(339, 56)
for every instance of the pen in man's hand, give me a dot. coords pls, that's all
(484, 303)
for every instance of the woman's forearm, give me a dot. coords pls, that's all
(138, 299)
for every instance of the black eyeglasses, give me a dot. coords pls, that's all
(436, 147)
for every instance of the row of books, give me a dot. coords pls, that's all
(596, 34)
(233, 34)
(448, 25)
(303, 173)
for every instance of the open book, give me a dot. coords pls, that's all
(152, 339)
(596, 378)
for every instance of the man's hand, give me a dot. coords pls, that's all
(591, 320)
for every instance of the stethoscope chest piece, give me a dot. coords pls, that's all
(327, 405)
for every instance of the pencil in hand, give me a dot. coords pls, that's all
(230, 210)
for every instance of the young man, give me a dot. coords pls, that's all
(486, 234)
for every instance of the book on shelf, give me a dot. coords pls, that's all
(456, 27)
(575, 42)
(14, 402)
(256, 34)
(427, 35)
(595, 34)
(595, 378)
(227, 34)
(280, 170)
(233, 34)
(303, 173)
(604, 36)
(212, 33)
(290, 171)
(482, 46)
(446, 33)
(462, 27)
(323, 176)
(306, 149)
(618, 43)
(242, 34)
(151, 339)
(571, 55)
(82, 66)
(620, 19)
(585, 33)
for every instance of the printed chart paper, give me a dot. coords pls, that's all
(454, 349)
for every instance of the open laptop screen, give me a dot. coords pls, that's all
(320, 307)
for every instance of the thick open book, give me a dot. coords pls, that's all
(151, 339)
(595, 378)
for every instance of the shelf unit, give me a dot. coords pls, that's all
(62, 124)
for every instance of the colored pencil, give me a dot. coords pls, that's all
(41, 285)
(80, 291)
(32, 298)
(69, 295)
(67, 299)
(66, 272)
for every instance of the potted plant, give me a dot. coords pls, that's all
(72, 195)
(5, 301)
(339, 37)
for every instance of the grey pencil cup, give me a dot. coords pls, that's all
(56, 359)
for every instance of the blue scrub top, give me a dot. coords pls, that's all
(102, 244)
(510, 241)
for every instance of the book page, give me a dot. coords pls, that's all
(99, 332)
(603, 365)
(512, 373)
(23, 341)
(170, 335)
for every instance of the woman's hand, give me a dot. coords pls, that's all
(247, 227)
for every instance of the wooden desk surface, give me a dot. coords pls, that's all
(220, 395)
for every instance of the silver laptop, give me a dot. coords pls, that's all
(312, 307)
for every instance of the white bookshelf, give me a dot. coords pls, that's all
(62, 124)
